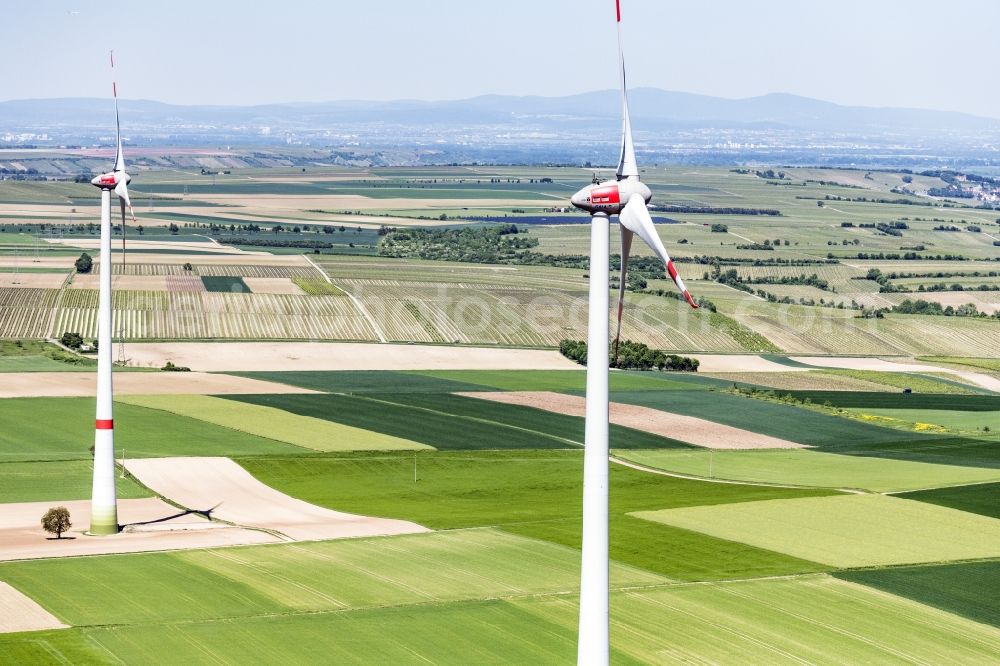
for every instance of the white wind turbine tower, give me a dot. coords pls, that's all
(627, 197)
(104, 503)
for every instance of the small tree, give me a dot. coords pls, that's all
(56, 521)
(84, 263)
(71, 340)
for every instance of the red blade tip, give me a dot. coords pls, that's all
(687, 297)
(618, 10)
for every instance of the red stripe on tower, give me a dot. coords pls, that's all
(618, 10)
(105, 424)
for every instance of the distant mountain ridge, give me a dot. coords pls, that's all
(652, 109)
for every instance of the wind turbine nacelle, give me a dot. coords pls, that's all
(610, 196)
(108, 181)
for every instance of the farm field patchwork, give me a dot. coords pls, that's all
(956, 588)
(815, 619)
(303, 577)
(276, 424)
(188, 314)
(702, 571)
(846, 531)
(812, 468)
(436, 422)
(982, 498)
(455, 381)
(61, 429)
(534, 493)
(773, 621)
(770, 418)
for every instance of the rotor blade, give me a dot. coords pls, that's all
(626, 163)
(121, 189)
(635, 217)
(120, 157)
(626, 249)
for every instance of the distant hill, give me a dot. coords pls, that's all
(653, 110)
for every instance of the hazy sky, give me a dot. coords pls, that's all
(919, 53)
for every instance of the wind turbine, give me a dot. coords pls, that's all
(104, 503)
(626, 197)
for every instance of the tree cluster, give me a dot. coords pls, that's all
(631, 356)
(495, 245)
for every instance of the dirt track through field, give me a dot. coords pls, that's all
(150, 528)
(236, 356)
(84, 384)
(687, 429)
(20, 613)
(239, 498)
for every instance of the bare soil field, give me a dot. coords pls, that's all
(666, 424)
(273, 286)
(165, 528)
(236, 356)
(19, 613)
(10, 261)
(84, 384)
(32, 280)
(241, 499)
(138, 282)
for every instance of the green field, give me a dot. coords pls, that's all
(304, 588)
(846, 531)
(225, 283)
(56, 481)
(817, 620)
(770, 418)
(812, 468)
(981, 498)
(902, 401)
(943, 420)
(35, 356)
(537, 494)
(452, 422)
(305, 577)
(269, 423)
(992, 364)
(41, 429)
(903, 380)
(962, 589)
(453, 381)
